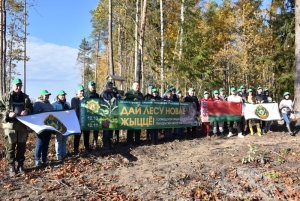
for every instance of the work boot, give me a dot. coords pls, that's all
(289, 130)
(251, 130)
(258, 131)
(12, 170)
(20, 167)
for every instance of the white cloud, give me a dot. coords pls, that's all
(52, 67)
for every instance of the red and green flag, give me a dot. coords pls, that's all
(224, 111)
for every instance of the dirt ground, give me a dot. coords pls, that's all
(185, 169)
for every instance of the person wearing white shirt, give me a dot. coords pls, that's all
(286, 107)
(235, 98)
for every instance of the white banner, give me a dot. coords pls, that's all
(264, 112)
(64, 122)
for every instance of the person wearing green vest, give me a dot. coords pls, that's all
(15, 103)
(134, 95)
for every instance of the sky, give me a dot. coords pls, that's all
(56, 28)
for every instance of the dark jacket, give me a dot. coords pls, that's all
(89, 94)
(107, 95)
(192, 99)
(148, 97)
(156, 98)
(168, 99)
(131, 95)
(75, 104)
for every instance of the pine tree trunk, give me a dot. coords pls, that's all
(2, 47)
(110, 45)
(141, 43)
(297, 57)
(136, 78)
(162, 72)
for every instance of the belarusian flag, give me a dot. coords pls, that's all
(224, 111)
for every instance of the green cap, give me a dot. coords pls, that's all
(154, 90)
(191, 89)
(91, 83)
(115, 87)
(173, 89)
(221, 89)
(205, 92)
(286, 93)
(170, 86)
(17, 81)
(249, 90)
(44, 92)
(109, 82)
(167, 91)
(61, 92)
(178, 92)
(80, 88)
(150, 87)
(266, 89)
(259, 87)
(216, 92)
(232, 89)
(242, 87)
(239, 90)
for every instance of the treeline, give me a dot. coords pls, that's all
(205, 44)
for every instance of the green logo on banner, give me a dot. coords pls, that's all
(262, 112)
(56, 123)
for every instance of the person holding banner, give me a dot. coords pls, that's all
(204, 114)
(154, 132)
(108, 95)
(191, 98)
(220, 123)
(91, 93)
(252, 100)
(148, 97)
(267, 99)
(13, 104)
(223, 96)
(75, 104)
(134, 95)
(61, 140)
(260, 100)
(235, 98)
(179, 131)
(42, 140)
(117, 132)
(168, 135)
(286, 107)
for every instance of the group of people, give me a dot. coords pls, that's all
(16, 103)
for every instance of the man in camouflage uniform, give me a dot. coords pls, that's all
(13, 104)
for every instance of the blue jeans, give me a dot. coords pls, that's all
(286, 118)
(41, 147)
(60, 146)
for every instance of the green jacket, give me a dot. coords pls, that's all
(131, 94)
(6, 105)
(89, 94)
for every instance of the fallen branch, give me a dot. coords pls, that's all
(85, 187)
(277, 154)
